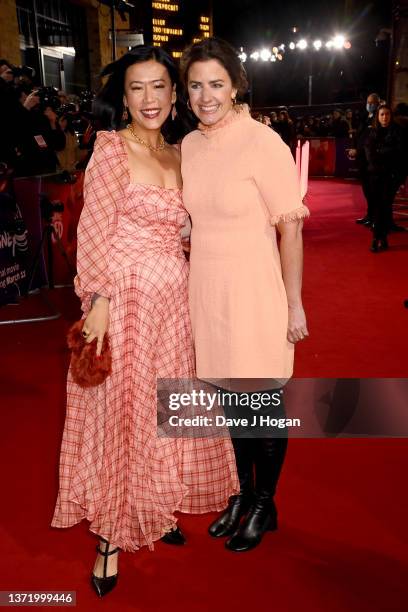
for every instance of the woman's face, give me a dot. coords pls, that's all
(210, 90)
(384, 117)
(149, 94)
(63, 123)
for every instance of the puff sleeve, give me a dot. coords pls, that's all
(276, 177)
(98, 221)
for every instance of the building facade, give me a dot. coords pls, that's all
(68, 41)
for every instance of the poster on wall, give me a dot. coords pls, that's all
(13, 250)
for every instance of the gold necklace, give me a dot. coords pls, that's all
(159, 147)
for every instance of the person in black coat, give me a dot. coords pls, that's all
(360, 138)
(385, 169)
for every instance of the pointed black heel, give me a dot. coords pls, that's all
(104, 585)
(175, 537)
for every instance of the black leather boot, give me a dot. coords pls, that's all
(238, 505)
(262, 515)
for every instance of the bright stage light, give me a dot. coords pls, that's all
(255, 55)
(265, 55)
(282, 47)
(275, 50)
(243, 56)
(302, 44)
(292, 46)
(317, 44)
(329, 44)
(273, 58)
(338, 41)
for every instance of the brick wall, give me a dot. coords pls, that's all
(9, 38)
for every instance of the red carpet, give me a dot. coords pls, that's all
(342, 541)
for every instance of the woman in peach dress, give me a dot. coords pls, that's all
(240, 185)
(132, 278)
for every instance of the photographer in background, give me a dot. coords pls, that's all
(38, 135)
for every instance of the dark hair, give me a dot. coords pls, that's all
(108, 104)
(223, 52)
(376, 123)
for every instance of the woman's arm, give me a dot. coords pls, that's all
(291, 253)
(278, 182)
(96, 228)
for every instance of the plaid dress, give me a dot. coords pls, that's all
(114, 470)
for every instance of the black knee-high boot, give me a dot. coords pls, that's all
(269, 455)
(238, 505)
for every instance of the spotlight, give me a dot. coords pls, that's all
(255, 55)
(265, 55)
(317, 44)
(292, 46)
(302, 44)
(329, 44)
(338, 41)
(243, 56)
(275, 50)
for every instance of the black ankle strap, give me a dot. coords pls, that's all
(106, 554)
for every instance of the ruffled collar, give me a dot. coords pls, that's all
(237, 113)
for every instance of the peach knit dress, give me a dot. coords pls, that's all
(239, 180)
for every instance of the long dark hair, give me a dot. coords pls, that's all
(108, 104)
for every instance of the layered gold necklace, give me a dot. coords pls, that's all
(160, 146)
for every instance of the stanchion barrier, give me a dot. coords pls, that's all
(331, 156)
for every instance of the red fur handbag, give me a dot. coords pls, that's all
(87, 369)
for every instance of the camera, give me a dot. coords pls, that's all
(48, 98)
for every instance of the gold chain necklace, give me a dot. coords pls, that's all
(159, 147)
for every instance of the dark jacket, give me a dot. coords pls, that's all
(384, 151)
(32, 157)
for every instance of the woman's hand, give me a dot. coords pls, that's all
(97, 322)
(297, 327)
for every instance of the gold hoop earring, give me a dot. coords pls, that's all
(125, 114)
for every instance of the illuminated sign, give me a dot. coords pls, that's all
(171, 31)
(162, 6)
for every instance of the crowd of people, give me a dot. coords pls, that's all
(43, 130)
(378, 141)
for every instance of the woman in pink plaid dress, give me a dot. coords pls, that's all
(132, 278)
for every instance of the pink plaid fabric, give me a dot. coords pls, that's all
(114, 470)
